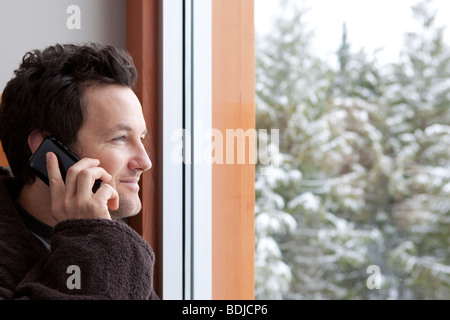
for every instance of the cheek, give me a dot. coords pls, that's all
(112, 164)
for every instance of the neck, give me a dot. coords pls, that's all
(35, 199)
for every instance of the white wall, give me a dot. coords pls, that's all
(35, 24)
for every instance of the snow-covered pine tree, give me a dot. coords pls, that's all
(312, 237)
(364, 172)
(419, 124)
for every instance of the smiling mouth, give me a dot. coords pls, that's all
(131, 183)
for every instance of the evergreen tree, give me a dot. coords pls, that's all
(364, 173)
(420, 144)
(357, 74)
(304, 228)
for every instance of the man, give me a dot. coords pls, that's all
(62, 240)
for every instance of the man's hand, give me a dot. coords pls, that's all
(74, 199)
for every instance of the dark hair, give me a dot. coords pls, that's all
(47, 93)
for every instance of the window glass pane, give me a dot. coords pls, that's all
(355, 97)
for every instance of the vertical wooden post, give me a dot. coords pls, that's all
(143, 45)
(3, 160)
(233, 199)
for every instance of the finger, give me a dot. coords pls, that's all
(86, 180)
(56, 183)
(73, 172)
(108, 194)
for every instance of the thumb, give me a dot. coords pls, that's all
(113, 201)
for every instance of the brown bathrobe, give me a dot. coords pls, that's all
(114, 261)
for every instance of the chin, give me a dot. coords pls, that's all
(127, 208)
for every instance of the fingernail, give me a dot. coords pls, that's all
(48, 156)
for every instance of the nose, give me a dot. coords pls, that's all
(141, 161)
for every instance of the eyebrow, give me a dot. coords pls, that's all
(123, 127)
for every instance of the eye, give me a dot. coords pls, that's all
(120, 139)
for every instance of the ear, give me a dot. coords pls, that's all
(35, 139)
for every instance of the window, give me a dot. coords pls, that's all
(358, 206)
(186, 117)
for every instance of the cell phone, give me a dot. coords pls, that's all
(66, 159)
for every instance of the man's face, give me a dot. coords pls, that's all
(113, 132)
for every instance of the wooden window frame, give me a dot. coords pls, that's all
(232, 187)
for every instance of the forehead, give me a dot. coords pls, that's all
(109, 106)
